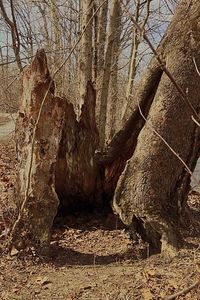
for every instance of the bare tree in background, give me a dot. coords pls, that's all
(86, 53)
(14, 31)
(56, 34)
(107, 68)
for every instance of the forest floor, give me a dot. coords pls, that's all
(92, 257)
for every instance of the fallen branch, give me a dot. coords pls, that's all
(195, 121)
(184, 291)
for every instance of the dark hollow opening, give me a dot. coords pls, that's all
(86, 209)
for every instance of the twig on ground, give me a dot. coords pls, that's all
(195, 121)
(184, 291)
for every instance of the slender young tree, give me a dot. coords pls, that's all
(14, 31)
(107, 67)
(86, 53)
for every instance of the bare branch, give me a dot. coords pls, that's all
(184, 291)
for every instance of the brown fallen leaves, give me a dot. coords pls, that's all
(7, 179)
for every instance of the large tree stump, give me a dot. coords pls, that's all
(152, 190)
(36, 198)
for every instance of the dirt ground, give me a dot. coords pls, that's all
(92, 257)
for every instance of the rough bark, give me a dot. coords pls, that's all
(36, 198)
(95, 46)
(152, 191)
(101, 38)
(101, 44)
(113, 95)
(122, 146)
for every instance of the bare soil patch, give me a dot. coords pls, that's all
(92, 257)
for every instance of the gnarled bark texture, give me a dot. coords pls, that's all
(37, 154)
(152, 190)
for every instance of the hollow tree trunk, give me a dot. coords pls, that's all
(77, 170)
(59, 164)
(36, 198)
(152, 191)
(82, 176)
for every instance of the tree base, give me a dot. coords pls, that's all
(159, 241)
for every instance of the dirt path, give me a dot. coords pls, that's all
(7, 125)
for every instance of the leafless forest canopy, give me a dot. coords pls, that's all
(57, 25)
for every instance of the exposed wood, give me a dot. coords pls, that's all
(152, 186)
(76, 170)
(36, 199)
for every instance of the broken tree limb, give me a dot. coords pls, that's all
(38, 135)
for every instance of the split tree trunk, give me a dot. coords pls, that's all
(152, 190)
